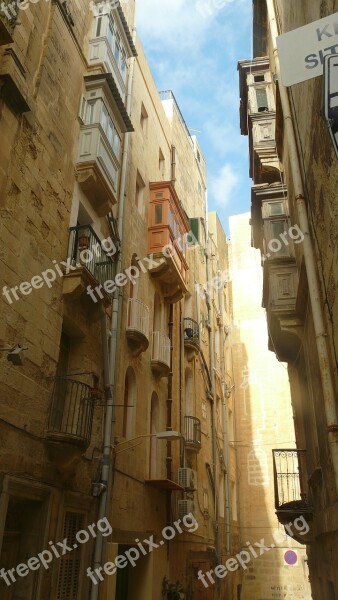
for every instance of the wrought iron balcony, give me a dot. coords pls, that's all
(192, 433)
(191, 334)
(137, 325)
(71, 413)
(90, 264)
(160, 354)
(291, 498)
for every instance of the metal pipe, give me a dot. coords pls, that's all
(111, 368)
(212, 374)
(225, 420)
(309, 257)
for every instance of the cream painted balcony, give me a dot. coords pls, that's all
(97, 168)
(160, 354)
(137, 329)
(100, 52)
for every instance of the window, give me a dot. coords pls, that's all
(262, 99)
(158, 214)
(161, 162)
(259, 77)
(144, 119)
(70, 563)
(139, 192)
(95, 111)
(276, 208)
(194, 229)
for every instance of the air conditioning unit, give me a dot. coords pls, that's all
(187, 478)
(185, 507)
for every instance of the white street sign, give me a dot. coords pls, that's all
(331, 97)
(302, 51)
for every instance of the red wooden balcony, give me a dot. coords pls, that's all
(167, 232)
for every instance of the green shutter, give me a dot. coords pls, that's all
(194, 228)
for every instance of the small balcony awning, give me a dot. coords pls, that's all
(165, 484)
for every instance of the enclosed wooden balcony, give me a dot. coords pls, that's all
(291, 489)
(167, 244)
(88, 265)
(137, 326)
(192, 433)
(160, 354)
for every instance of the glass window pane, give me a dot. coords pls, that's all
(110, 37)
(276, 208)
(104, 118)
(117, 143)
(98, 26)
(262, 99)
(158, 214)
(277, 228)
(90, 112)
(110, 132)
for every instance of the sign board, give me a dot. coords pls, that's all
(291, 558)
(302, 51)
(331, 97)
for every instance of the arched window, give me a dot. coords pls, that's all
(154, 428)
(129, 409)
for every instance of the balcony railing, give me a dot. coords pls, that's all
(191, 333)
(138, 325)
(160, 354)
(85, 250)
(71, 414)
(289, 478)
(192, 432)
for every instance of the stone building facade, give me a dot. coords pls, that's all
(263, 423)
(123, 316)
(294, 224)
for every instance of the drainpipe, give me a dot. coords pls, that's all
(225, 419)
(309, 257)
(110, 364)
(212, 375)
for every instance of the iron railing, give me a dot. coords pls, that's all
(289, 477)
(192, 431)
(85, 250)
(72, 407)
(161, 348)
(191, 331)
(138, 317)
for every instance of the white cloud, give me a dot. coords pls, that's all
(223, 185)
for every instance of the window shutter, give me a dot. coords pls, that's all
(69, 574)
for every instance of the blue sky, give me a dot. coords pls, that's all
(193, 49)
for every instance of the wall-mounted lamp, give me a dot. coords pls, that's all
(14, 354)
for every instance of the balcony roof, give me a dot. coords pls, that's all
(109, 80)
(126, 29)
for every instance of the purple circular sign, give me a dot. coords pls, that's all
(290, 557)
